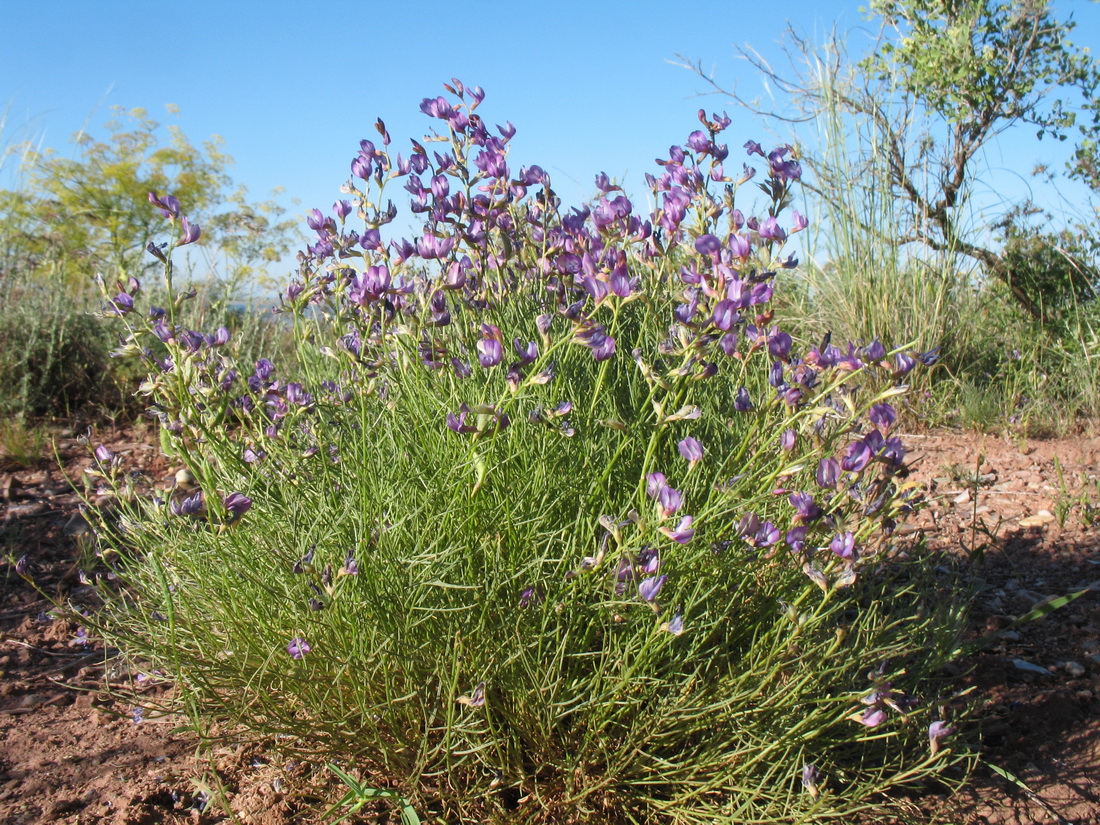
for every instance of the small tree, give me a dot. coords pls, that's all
(88, 213)
(944, 79)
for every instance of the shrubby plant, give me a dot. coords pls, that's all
(550, 518)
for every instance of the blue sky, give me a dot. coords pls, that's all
(292, 87)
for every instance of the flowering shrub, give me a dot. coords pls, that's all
(551, 514)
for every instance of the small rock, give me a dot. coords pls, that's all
(962, 498)
(1029, 667)
(1074, 670)
(1083, 695)
(76, 526)
(25, 510)
(1093, 657)
(1089, 645)
(1010, 636)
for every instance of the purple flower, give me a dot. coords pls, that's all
(766, 535)
(649, 588)
(809, 779)
(669, 500)
(429, 246)
(305, 561)
(844, 545)
(903, 364)
(264, 369)
(475, 699)
(168, 205)
(883, 417)
(936, 732)
(872, 717)
(856, 457)
(237, 504)
(351, 566)
(805, 508)
(698, 141)
(489, 352)
(675, 625)
(874, 351)
(190, 506)
(708, 245)
(893, 452)
(770, 229)
(691, 450)
(741, 401)
(458, 424)
(787, 440)
(796, 538)
(191, 233)
(104, 455)
(828, 472)
(655, 482)
(123, 304)
(298, 647)
(21, 566)
(529, 596)
(682, 533)
(928, 358)
(779, 345)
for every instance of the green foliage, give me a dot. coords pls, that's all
(475, 583)
(914, 116)
(1056, 268)
(88, 214)
(984, 65)
(53, 354)
(73, 218)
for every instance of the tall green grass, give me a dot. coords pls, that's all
(999, 366)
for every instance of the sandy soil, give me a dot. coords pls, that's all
(72, 754)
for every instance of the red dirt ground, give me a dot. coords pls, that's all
(72, 755)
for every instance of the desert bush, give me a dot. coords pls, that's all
(549, 519)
